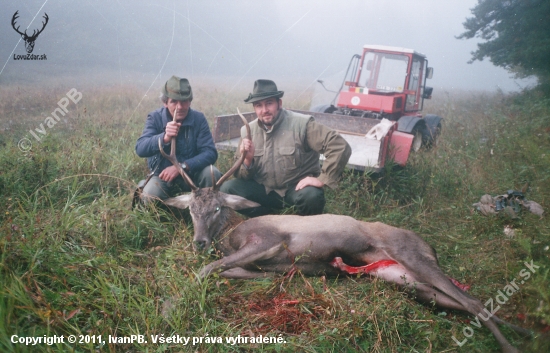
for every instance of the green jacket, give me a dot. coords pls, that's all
(290, 152)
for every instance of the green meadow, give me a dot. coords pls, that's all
(75, 259)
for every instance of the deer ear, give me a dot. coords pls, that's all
(238, 203)
(181, 201)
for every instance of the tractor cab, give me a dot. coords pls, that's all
(386, 82)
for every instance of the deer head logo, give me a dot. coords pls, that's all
(29, 40)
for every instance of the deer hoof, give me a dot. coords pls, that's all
(205, 272)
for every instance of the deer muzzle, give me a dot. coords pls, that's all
(199, 245)
(201, 240)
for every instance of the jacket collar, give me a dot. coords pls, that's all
(166, 117)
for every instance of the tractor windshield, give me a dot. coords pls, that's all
(385, 72)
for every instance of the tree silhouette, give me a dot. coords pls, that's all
(516, 34)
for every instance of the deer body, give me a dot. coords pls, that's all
(319, 245)
(304, 241)
(267, 245)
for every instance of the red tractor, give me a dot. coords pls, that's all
(389, 82)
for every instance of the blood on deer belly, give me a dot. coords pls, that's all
(388, 270)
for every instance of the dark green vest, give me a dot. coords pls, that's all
(282, 156)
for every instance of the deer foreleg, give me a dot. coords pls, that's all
(244, 256)
(241, 273)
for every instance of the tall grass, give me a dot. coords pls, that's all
(75, 259)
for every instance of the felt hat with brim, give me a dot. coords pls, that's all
(263, 89)
(178, 89)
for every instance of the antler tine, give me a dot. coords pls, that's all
(44, 23)
(15, 17)
(172, 158)
(237, 163)
(212, 175)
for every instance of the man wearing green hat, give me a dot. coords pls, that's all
(195, 149)
(281, 166)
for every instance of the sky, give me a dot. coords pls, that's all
(232, 43)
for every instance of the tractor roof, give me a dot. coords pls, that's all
(397, 49)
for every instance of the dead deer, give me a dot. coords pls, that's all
(318, 245)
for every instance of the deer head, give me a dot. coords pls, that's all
(29, 40)
(211, 209)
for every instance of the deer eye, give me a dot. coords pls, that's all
(217, 209)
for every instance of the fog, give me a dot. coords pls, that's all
(232, 43)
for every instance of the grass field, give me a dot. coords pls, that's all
(76, 260)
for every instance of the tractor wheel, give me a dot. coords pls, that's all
(432, 130)
(417, 138)
(430, 138)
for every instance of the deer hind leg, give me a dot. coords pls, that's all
(428, 294)
(429, 284)
(427, 271)
(392, 271)
(431, 295)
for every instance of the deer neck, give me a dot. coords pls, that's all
(222, 239)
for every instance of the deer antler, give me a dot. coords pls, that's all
(237, 163)
(172, 158)
(34, 35)
(15, 17)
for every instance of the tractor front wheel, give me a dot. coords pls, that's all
(418, 137)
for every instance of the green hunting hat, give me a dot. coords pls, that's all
(263, 89)
(178, 89)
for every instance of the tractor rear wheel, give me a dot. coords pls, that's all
(430, 138)
(431, 133)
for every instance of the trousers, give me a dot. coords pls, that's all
(308, 201)
(158, 189)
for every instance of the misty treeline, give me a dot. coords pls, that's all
(516, 34)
